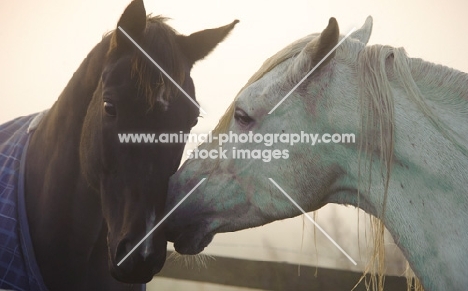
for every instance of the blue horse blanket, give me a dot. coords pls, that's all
(18, 267)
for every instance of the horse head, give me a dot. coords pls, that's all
(134, 97)
(371, 111)
(237, 192)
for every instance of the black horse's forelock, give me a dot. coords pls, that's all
(160, 43)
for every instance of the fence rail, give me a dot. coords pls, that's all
(272, 275)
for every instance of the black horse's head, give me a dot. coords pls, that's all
(134, 97)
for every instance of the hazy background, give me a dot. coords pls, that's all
(43, 42)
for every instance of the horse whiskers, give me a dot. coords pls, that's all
(191, 261)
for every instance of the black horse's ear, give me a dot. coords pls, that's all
(132, 21)
(199, 44)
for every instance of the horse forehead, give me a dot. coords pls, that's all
(267, 84)
(122, 64)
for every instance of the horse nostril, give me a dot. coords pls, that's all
(123, 248)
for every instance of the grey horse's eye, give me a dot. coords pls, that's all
(242, 118)
(109, 108)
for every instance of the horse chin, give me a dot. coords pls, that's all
(136, 269)
(192, 244)
(137, 277)
(139, 274)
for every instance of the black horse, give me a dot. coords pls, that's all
(90, 198)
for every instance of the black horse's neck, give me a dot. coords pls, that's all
(59, 218)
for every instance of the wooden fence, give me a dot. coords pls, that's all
(272, 276)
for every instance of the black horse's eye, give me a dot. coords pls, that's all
(109, 108)
(242, 118)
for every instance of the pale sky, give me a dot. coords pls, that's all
(43, 43)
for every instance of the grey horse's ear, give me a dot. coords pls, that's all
(314, 53)
(363, 34)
